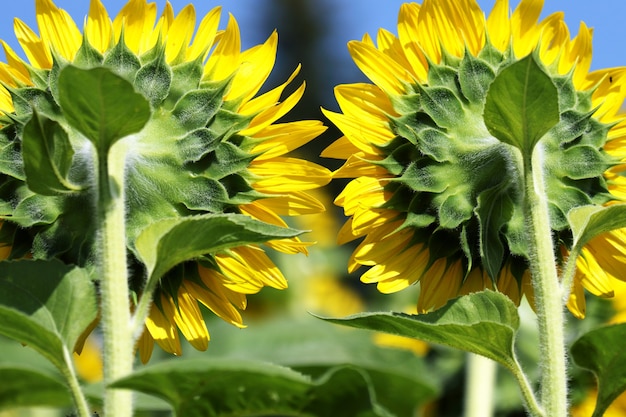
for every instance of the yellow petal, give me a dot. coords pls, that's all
(268, 99)
(365, 136)
(293, 204)
(58, 30)
(36, 50)
(219, 306)
(179, 33)
(342, 148)
(16, 68)
(271, 114)
(145, 344)
(163, 330)
(282, 138)
(284, 175)
(499, 25)
(408, 35)
(205, 35)
(576, 303)
(137, 19)
(187, 316)
(225, 59)
(256, 65)
(378, 67)
(524, 29)
(98, 27)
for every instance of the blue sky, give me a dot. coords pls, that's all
(351, 18)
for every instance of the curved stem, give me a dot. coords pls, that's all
(530, 401)
(480, 381)
(548, 293)
(118, 341)
(82, 408)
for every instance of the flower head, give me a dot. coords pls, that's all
(435, 195)
(212, 145)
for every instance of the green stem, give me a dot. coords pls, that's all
(118, 341)
(82, 408)
(480, 381)
(548, 294)
(530, 401)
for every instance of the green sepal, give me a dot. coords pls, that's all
(11, 154)
(197, 107)
(522, 105)
(226, 160)
(27, 99)
(475, 77)
(87, 56)
(169, 242)
(484, 323)
(185, 77)
(442, 105)
(101, 105)
(602, 352)
(122, 60)
(47, 154)
(50, 314)
(197, 144)
(31, 209)
(154, 79)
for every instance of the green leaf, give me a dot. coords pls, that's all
(493, 211)
(166, 243)
(602, 352)
(220, 387)
(101, 105)
(484, 323)
(25, 387)
(47, 154)
(46, 305)
(351, 372)
(590, 221)
(522, 105)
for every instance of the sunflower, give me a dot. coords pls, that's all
(434, 196)
(212, 145)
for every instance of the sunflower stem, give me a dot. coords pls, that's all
(548, 294)
(118, 341)
(82, 408)
(480, 378)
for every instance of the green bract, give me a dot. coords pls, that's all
(183, 155)
(463, 140)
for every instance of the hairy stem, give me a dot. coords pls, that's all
(118, 341)
(548, 292)
(82, 408)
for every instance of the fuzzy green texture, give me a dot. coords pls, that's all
(459, 152)
(187, 160)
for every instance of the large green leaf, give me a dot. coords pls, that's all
(484, 323)
(25, 387)
(522, 104)
(168, 242)
(590, 221)
(351, 373)
(602, 352)
(46, 305)
(47, 155)
(210, 387)
(101, 105)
